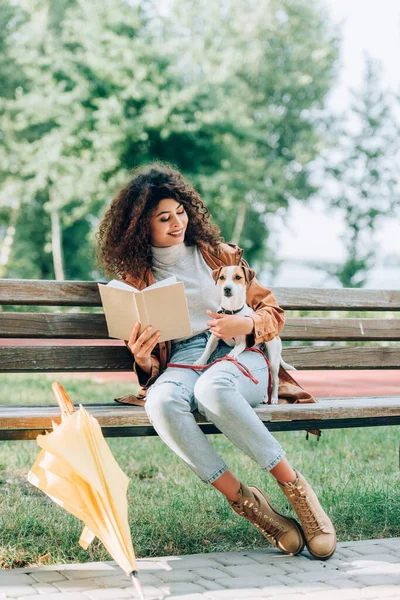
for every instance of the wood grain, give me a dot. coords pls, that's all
(85, 293)
(64, 359)
(93, 326)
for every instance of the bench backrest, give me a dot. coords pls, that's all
(65, 344)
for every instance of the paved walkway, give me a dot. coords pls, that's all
(367, 569)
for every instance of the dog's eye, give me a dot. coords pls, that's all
(238, 277)
(221, 277)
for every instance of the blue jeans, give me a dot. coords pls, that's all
(223, 394)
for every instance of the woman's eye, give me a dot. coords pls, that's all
(165, 220)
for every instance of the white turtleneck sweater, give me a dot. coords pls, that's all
(189, 266)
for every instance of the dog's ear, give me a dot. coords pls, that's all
(216, 273)
(249, 274)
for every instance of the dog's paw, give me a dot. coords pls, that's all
(199, 362)
(274, 399)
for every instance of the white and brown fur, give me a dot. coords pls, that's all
(233, 281)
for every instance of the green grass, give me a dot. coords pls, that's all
(354, 472)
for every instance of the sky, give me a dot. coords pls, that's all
(371, 26)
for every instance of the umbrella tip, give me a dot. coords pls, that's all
(137, 585)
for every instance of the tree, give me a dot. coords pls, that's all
(229, 93)
(363, 175)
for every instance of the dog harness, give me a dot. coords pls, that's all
(239, 365)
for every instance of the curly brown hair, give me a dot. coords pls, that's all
(124, 243)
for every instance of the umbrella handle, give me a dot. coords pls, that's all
(63, 400)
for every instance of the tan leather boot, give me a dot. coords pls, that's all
(282, 532)
(317, 527)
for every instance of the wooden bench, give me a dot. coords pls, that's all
(26, 421)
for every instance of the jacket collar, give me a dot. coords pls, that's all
(224, 254)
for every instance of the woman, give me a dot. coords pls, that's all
(157, 226)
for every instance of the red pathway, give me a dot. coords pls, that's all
(322, 384)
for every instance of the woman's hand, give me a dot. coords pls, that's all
(140, 348)
(228, 326)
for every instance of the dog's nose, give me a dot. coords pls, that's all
(227, 290)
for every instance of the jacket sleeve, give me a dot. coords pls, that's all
(268, 317)
(146, 379)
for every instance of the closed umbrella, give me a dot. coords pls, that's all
(78, 471)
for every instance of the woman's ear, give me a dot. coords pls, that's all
(249, 274)
(216, 273)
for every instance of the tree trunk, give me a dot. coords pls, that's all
(56, 245)
(239, 224)
(9, 239)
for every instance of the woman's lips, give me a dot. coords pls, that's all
(176, 234)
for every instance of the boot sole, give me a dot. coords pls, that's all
(299, 529)
(323, 557)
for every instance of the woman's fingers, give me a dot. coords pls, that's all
(137, 344)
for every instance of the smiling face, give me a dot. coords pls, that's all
(169, 217)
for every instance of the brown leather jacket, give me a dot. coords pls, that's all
(268, 319)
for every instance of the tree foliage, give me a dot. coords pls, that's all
(231, 93)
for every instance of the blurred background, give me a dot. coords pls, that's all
(284, 114)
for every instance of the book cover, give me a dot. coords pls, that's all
(162, 305)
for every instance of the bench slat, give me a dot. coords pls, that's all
(114, 415)
(50, 359)
(93, 326)
(86, 293)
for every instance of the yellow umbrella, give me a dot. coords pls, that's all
(77, 470)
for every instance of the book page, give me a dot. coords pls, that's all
(161, 283)
(120, 285)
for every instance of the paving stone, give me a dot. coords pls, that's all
(371, 549)
(347, 553)
(380, 591)
(367, 570)
(45, 588)
(188, 596)
(100, 565)
(211, 573)
(209, 585)
(346, 582)
(249, 570)
(90, 573)
(180, 587)
(75, 585)
(178, 575)
(47, 576)
(249, 581)
(150, 565)
(15, 591)
(13, 577)
(377, 580)
(147, 578)
(187, 562)
(314, 586)
(230, 594)
(116, 581)
(233, 558)
(352, 594)
(65, 596)
(150, 592)
(108, 593)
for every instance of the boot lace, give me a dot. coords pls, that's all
(270, 528)
(310, 521)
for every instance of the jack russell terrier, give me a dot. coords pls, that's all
(233, 282)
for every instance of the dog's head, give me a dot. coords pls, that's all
(233, 279)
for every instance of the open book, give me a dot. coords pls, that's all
(162, 305)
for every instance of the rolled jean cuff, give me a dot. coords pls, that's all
(273, 464)
(217, 474)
